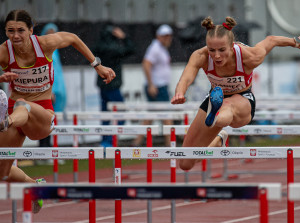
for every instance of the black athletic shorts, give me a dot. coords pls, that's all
(247, 94)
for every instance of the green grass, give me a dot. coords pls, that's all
(44, 170)
(83, 165)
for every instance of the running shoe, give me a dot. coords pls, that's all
(214, 105)
(224, 136)
(3, 111)
(38, 204)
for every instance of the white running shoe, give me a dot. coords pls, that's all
(38, 204)
(224, 136)
(3, 111)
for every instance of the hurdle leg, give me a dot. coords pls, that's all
(204, 170)
(290, 179)
(14, 202)
(118, 178)
(27, 214)
(149, 174)
(263, 205)
(75, 161)
(173, 175)
(92, 179)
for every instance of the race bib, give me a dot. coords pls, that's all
(32, 80)
(228, 84)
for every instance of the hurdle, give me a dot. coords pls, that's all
(167, 106)
(147, 130)
(212, 153)
(28, 192)
(129, 115)
(55, 153)
(246, 130)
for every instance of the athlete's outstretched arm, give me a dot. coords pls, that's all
(254, 56)
(60, 40)
(196, 61)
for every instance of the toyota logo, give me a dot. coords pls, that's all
(225, 152)
(27, 153)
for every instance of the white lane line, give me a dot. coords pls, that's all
(142, 211)
(44, 206)
(257, 216)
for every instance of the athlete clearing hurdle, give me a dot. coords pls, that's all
(27, 63)
(228, 67)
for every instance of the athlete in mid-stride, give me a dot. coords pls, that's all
(27, 63)
(228, 66)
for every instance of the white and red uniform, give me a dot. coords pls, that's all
(34, 79)
(230, 85)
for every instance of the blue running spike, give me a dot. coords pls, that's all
(214, 105)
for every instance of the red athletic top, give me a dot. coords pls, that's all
(33, 79)
(236, 83)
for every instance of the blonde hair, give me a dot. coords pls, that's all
(220, 30)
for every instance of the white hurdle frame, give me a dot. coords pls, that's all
(104, 129)
(163, 106)
(166, 115)
(211, 153)
(246, 130)
(266, 192)
(129, 115)
(28, 153)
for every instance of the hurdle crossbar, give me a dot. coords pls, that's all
(104, 130)
(166, 115)
(246, 130)
(145, 191)
(202, 152)
(50, 153)
(131, 115)
(167, 106)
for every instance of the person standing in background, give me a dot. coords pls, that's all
(59, 98)
(114, 45)
(157, 69)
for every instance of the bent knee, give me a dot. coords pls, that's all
(186, 164)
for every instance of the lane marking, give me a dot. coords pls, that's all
(257, 216)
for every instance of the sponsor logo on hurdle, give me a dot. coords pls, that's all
(225, 152)
(81, 130)
(68, 154)
(62, 192)
(266, 153)
(27, 153)
(279, 130)
(54, 153)
(252, 152)
(171, 153)
(201, 192)
(257, 131)
(39, 154)
(153, 154)
(120, 130)
(131, 192)
(98, 130)
(7, 154)
(203, 153)
(240, 130)
(60, 130)
(136, 153)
